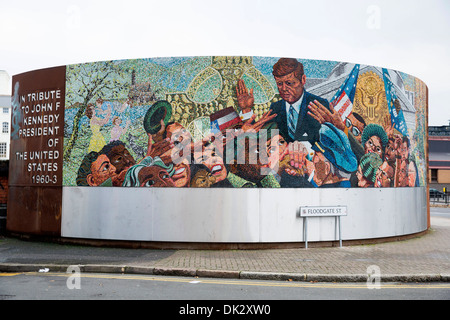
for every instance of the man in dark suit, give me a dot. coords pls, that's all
(292, 118)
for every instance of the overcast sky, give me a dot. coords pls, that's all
(410, 36)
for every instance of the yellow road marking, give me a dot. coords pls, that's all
(290, 284)
(5, 274)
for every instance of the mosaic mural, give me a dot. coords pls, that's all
(242, 122)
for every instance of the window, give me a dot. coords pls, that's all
(3, 149)
(434, 174)
(5, 128)
(5, 110)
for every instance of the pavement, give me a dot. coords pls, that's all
(424, 258)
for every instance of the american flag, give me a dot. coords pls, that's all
(342, 101)
(397, 118)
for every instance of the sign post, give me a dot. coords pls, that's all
(328, 211)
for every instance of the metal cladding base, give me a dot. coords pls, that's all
(234, 218)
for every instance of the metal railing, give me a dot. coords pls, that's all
(442, 197)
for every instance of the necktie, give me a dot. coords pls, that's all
(292, 121)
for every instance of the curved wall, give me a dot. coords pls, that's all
(240, 216)
(208, 149)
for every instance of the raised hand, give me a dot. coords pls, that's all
(388, 126)
(160, 134)
(159, 147)
(297, 154)
(256, 126)
(319, 112)
(245, 98)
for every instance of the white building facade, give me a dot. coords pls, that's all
(5, 114)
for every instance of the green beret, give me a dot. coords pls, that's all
(161, 110)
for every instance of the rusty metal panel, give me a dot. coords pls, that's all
(37, 131)
(34, 210)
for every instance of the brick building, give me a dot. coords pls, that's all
(439, 157)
